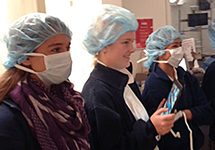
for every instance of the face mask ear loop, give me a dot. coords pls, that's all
(34, 54)
(24, 69)
(145, 58)
(188, 127)
(161, 61)
(177, 134)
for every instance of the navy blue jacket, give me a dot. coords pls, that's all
(14, 130)
(208, 85)
(113, 126)
(157, 87)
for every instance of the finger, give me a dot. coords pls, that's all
(161, 103)
(160, 110)
(168, 117)
(169, 124)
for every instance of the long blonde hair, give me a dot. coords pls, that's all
(9, 80)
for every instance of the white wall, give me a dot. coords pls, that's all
(183, 11)
(114, 2)
(13, 10)
(148, 9)
(145, 9)
(141, 9)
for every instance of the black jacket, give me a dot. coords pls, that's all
(14, 130)
(208, 85)
(113, 126)
(157, 87)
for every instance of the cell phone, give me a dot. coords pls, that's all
(173, 97)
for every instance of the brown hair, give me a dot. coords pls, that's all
(9, 80)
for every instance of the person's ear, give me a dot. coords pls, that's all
(165, 56)
(27, 62)
(161, 57)
(105, 50)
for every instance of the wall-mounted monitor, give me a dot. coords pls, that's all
(197, 19)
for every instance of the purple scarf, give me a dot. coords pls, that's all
(57, 117)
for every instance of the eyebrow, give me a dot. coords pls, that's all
(177, 43)
(57, 44)
(128, 39)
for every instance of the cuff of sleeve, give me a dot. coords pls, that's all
(151, 127)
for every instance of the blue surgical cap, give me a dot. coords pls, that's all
(211, 33)
(110, 23)
(29, 32)
(159, 40)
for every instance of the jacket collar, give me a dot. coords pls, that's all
(114, 78)
(11, 104)
(158, 72)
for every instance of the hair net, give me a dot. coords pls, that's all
(29, 32)
(110, 23)
(159, 40)
(211, 33)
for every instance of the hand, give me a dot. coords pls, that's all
(188, 114)
(162, 123)
(198, 70)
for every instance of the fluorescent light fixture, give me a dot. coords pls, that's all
(173, 1)
(177, 2)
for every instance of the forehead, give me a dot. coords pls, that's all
(177, 41)
(57, 40)
(127, 35)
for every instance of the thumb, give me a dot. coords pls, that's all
(161, 103)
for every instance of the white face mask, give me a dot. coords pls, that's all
(58, 67)
(175, 58)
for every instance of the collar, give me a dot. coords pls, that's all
(11, 104)
(130, 76)
(124, 70)
(114, 78)
(175, 73)
(158, 72)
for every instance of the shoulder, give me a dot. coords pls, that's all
(7, 112)
(96, 92)
(212, 65)
(184, 75)
(14, 130)
(210, 69)
(11, 128)
(10, 116)
(181, 71)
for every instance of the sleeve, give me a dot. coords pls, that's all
(201, 110)
(12, 132)
(208, 86)
(149, 98)
(109, 133)
(154, 92)
(11, 135)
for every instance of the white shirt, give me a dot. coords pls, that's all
(131, 100)
(133, 103)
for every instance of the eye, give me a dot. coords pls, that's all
(174, 46)
(56, 50)
(125, 42)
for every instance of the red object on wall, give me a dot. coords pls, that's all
(144, 30)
